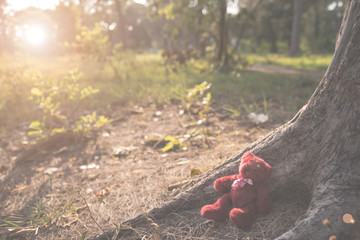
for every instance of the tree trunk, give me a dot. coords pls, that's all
(273, 37)
(316, 20)
(222, 48)
(295, 31)
(121, 23)
(315, 155)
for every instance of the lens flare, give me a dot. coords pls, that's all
(35, 35)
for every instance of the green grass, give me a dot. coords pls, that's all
(250, 88)
(312, 62)
(143, 78)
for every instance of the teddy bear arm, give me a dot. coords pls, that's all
(223, 185)
(263, 200)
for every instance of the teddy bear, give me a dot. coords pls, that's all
(244, 194)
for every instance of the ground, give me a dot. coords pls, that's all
(67, 186)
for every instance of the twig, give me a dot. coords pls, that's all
(91, 216)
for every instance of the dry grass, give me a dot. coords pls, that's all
(124, 187)
(189, 225)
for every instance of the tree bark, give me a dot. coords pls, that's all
(222, 48)
(318, 150)
(316, 19)
(296, 28)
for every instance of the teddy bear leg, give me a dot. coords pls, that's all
(243, 218)
(219, 211)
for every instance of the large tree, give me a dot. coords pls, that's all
(316, 154)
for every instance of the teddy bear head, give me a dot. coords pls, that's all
(254, 168)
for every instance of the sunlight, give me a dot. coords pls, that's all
(141, 2)
(35, 35)
(22, 4)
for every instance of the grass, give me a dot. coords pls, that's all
(312, 62)
(131, 79)
(139, 79)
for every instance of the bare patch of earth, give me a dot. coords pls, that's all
(265, 68)
(66, 186)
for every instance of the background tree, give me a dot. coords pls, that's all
(296, 27)
(222, 54)
(5, 29)
(67, 22)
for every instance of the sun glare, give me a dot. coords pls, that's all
(35, 35)
(42, 4)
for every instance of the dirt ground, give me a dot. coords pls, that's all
(66, 186)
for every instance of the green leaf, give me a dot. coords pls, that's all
(84, 119)
(30, 133)
(168, 147)
(10, 223)
(35, 91)
(234, 113)
(125, 227)
(35, 125)
(194, 172)
(173, 143)
(83, 235)
(172, 139)
(57, 130)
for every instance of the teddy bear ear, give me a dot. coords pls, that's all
(248, 155)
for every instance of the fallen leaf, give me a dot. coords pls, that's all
(92, 176)
(50, 171)
(90, 166)
(137, 171)
(194, 172)
(183, 162)
(19, 188)
(103, 192)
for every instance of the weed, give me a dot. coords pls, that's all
(233, 112)
(83, 236)
(173, 143)
(193, 97)
(54, 98)
(90, 122)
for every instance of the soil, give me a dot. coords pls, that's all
(67, 185)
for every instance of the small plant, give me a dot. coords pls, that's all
(173, 143)
(233, 112)
(193, 97)
(58, 101)
(167, 143)
(41, 215)
(89, 122)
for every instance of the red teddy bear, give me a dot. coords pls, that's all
(244, 195)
